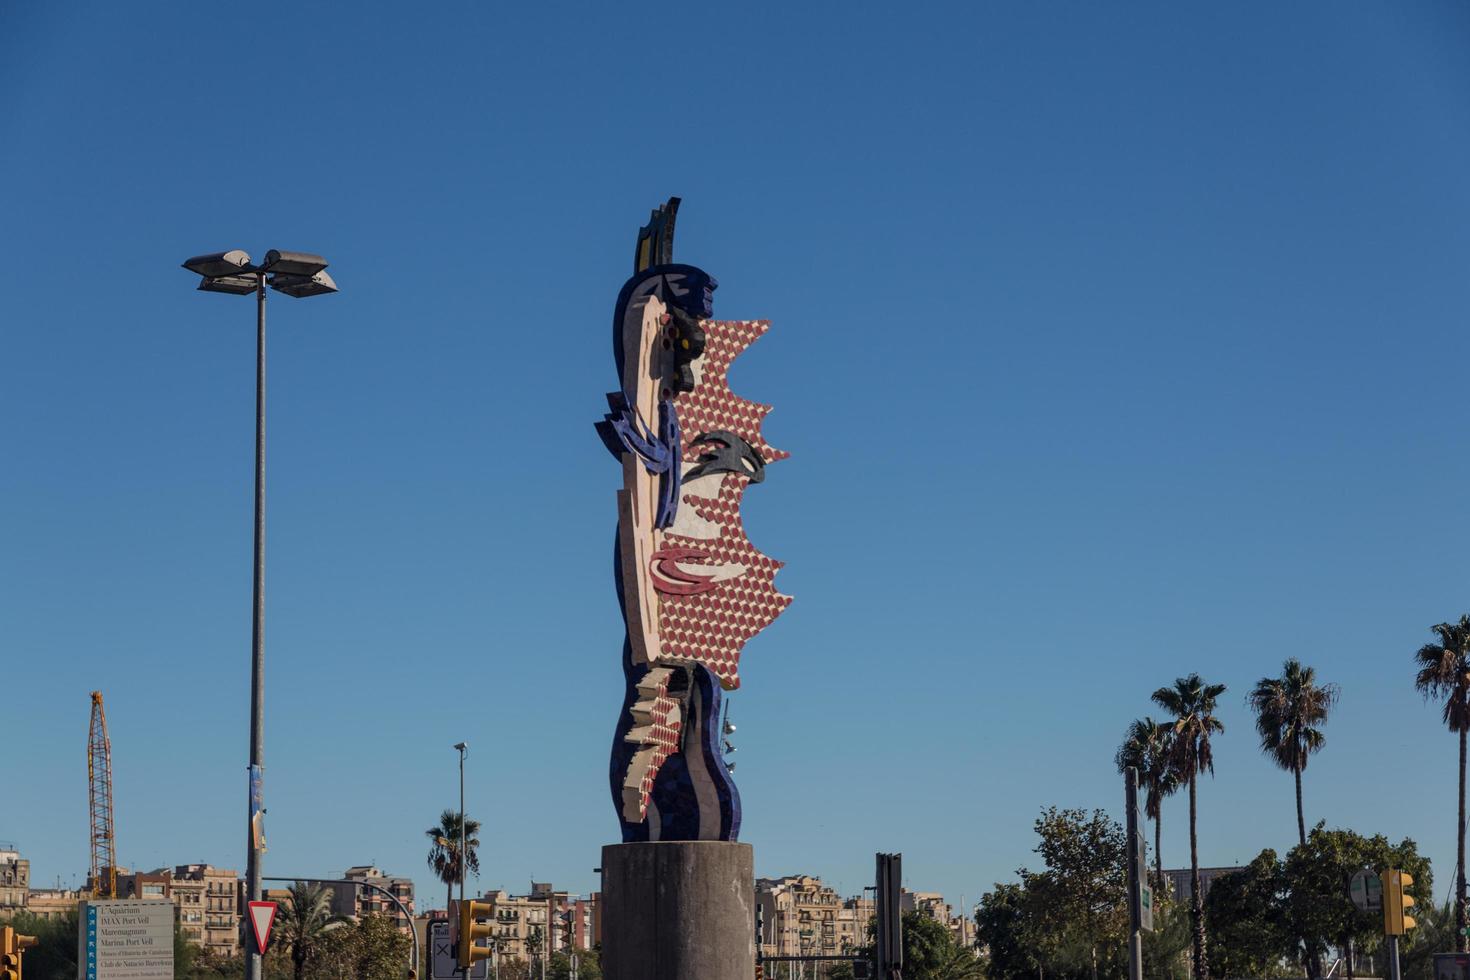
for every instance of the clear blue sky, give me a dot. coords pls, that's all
(1111, 342)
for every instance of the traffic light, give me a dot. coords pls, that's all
(12, 945)
(472, 926)
(567, 937)
(1396, 899)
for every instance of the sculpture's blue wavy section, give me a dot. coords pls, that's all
(694, 796)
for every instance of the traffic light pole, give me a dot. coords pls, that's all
(1393, 959)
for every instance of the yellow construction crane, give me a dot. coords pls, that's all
(99, 778)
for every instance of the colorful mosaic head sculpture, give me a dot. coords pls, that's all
(692, 587)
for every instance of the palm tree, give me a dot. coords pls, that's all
(1192, 703)
(1444, 673)
(960, 963)
(1288, 709)
(306, 917)
(1147, 748)
(444, 854)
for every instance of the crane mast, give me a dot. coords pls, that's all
(99, 778)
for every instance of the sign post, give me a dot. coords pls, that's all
(1136, 864)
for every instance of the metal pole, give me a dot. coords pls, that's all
(462, 834)
(253, 964)
(1393, 959)
(1135, 880)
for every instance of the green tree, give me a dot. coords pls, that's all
(1433, 934)
(1003, 926)
(926, 946)
(54, 957)
(1086, 856)
(959, 963)
(1245, 914)
(589, 966)
(303, 923)
(1166, 948)
(1192, 702)
(378, 950)
(444, 856)
(930, 952)
(1148, 747)
(514, 968)
(1070, 919)
(1444, 674)
(1318, 877)
(1289, 710)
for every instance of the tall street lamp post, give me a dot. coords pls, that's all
(460, 748)
(295, 274)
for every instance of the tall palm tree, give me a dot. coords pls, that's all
(1147, 748)
(1444, 673)
(1192, 703)
(444, 854)
(1288, 710)
(305, 918)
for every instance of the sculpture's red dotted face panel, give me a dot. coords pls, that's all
(715, 590)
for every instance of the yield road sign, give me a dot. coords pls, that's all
(262, 917)
(1367, 891)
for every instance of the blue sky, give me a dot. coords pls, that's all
(1111, 343)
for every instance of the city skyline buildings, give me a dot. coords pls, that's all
(1195, 267)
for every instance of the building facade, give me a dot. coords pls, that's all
(802, 916)
(351, 900)
(15, 878)
(546, 920)
(209, 913)
(371, 901)
(1181, 881)
(206, 899)
(53, 903)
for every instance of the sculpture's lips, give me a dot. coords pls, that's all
(668, 577)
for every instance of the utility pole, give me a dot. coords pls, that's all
(1135, 881)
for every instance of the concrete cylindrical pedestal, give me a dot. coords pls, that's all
(678, 910)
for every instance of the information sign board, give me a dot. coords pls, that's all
(126, 940)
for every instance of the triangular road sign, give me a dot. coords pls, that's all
(262, 917)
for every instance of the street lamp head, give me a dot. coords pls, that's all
(239, 285)
(461, 745)
(293, 263)
(219, 263)
(315, 284)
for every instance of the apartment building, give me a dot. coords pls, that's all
(206, 897)
(802, 916)
(530, 925)
(53, 903)
(15, 878)
(1181, 881)
(351, 900)
(370, 900)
